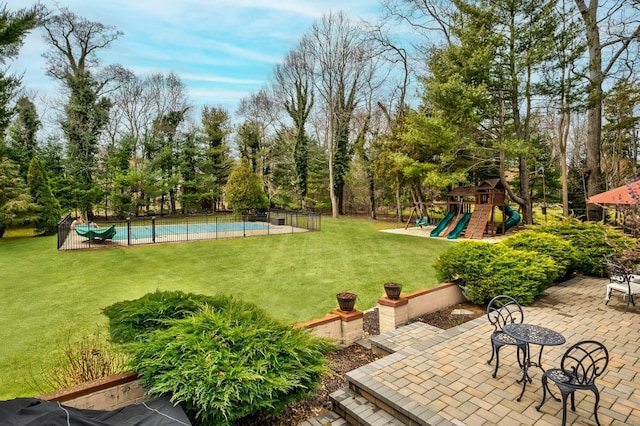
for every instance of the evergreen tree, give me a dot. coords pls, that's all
(49, 208)
(244, 192)
(22, 134)
(15, 202)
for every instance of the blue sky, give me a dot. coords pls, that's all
(221, 49)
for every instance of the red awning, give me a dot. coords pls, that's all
(628, 194)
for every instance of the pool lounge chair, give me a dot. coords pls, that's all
(94, 233)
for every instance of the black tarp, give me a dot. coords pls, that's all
(37, 412)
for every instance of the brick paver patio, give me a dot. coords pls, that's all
(445, 379)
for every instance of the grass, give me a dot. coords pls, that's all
(295, 277)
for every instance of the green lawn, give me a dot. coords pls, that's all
(48, 294)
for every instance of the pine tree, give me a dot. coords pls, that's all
(244, 192)
(15, 203)
(49, 211)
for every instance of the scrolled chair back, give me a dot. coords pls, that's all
(585, 361)
(503, 310)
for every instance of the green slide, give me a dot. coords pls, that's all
(513, 218)
(442, 224)
(92, 232)
(462, 223)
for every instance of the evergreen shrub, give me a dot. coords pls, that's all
(133, 318)
(554, 247)
(592, 242)
(224, 360)
(485, 270)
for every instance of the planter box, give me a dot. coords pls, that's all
(277, 220)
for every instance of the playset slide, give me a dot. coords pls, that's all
(513, 218)
(442, 224)
(462, 223)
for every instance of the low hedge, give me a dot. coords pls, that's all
(484, 270)
(554, 247)
(220, 363)
(591, 241)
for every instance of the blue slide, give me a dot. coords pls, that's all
(443, 224)
(513, 218)
(462, 223)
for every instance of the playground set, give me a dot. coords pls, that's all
(471, 212)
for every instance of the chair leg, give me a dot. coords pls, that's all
(495, 372)
(608, 296)
(595, 405)
(573, 401)
(564, 409)
(493, 352)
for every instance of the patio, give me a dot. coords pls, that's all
(441, 377)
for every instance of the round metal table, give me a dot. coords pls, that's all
(533, 335)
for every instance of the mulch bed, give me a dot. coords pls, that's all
(350, 358)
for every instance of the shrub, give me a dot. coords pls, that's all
(485, 270)
(592, 242)
(222, 365)
(132, 318)
(520, 274)
(90, 358)
(244, 192)
(465, 261)
(555, 248)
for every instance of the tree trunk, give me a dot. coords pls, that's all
(593, 173)
(372, 196)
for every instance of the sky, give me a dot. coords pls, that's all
(222, 50)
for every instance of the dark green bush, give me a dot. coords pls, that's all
(466, 261)
(592, 242)
(132, 318)
(222, 365)
(520, 274)
(485, 270)
(554, 247)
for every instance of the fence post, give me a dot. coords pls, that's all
(128, 231)
(153, 229)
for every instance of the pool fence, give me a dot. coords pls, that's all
(152, 230)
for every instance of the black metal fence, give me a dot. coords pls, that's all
(151, 230)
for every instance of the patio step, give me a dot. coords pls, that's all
(359, 411)
(327, 418)
(402, 337)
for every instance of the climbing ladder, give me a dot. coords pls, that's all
(478, 222)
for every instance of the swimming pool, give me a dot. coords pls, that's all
(141, 232)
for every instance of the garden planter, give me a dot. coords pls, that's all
(392, 290)
(346, 301)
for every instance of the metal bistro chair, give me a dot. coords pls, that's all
(503, 310)
(581, 364)
(622, 280)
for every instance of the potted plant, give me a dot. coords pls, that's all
(346, 301)
(392, 290)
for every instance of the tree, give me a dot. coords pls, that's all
(216, 161)
(342, 66)
(86, 117)
(22, 133)
(605, 52)
(16, 206)
(14, 27)
(295, 85)
(244, 192)
(48, 215)
(72, 59)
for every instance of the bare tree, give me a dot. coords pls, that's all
(341, 56)
(294, 88)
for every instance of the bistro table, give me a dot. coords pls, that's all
(533, 335)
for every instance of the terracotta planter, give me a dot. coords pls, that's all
(393, 290)
(346, 301)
